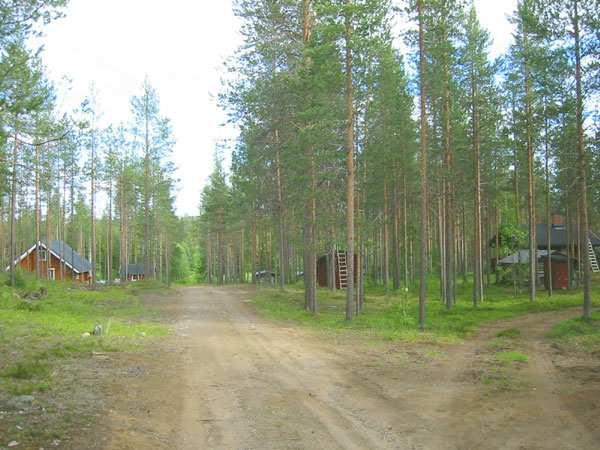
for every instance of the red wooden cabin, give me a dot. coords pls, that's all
(57, 261)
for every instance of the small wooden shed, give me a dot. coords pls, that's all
(133, 272)
(341, 270)
(560, 270)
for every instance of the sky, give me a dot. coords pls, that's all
(180, 45)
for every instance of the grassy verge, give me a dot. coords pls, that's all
(578, 334)
(501, 362)
(36, 333)
(43, 339)
(394, 316)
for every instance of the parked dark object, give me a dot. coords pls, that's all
(265, 275)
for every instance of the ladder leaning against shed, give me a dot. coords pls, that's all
(592, 258)
(342, 269)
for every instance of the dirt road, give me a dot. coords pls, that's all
(228, 380)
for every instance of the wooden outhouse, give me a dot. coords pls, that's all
(341, 270)
(560, 270)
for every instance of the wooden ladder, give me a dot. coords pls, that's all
(592, 258)
(342, 269)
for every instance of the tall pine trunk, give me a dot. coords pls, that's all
(146, 198)
(310, 215)
(448, 198)
(109, 243)
(13, 206)
(548, 272)
(92, 209)
(530, 162)
(281, 212)
(423, 171)
(583, 210)
(386, 239)
(38, 211)
(349, 162)
(477, 253)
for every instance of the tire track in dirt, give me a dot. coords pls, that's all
(533, 417)
(286, 378)
(229, 380)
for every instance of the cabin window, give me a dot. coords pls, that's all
(51, 273)
(43, 254)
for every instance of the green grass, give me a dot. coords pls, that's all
(73, 310)
(27, 370)
(45, 351)
(511, 356)
(511, 333)
(579, 332)
(35, 335)
(503, 381)
(393, 316)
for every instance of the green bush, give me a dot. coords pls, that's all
(512, 333)
(27, 370)
(25, 305)
(20, 282)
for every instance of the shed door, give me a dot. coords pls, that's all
(560, 274)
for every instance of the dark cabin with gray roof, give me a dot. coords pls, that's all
(133, 272)
(564, 247)
(57, 260)
(560, 237)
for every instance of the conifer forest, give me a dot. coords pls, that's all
(419, 156)
(300, 224)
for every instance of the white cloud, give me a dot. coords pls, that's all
(180, 45)
(493, 15)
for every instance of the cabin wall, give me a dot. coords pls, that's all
(560, 275)
(323, 272)
(28, 264)
(136, 277)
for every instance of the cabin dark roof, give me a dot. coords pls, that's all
(64, 251)
(558, 237)
(133, 269)
(559, 257)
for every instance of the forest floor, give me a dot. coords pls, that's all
(229, 379)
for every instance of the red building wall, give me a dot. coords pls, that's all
(560, 274)
(28, 264)
(137, 277)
